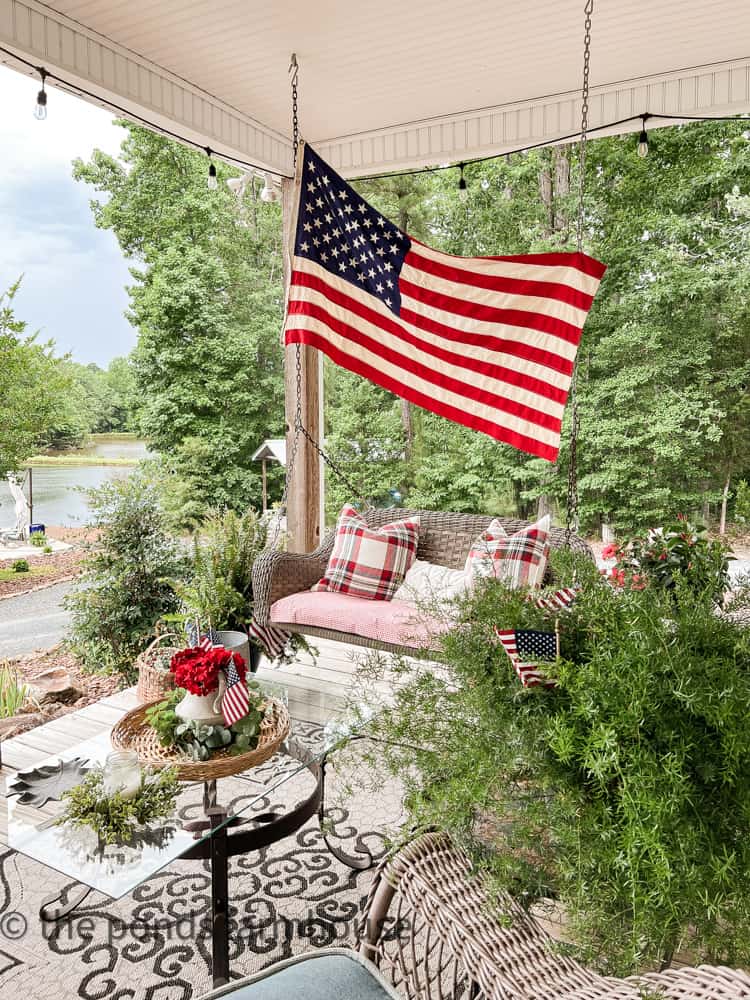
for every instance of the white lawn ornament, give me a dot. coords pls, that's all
(23, 511)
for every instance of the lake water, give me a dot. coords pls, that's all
(59, 491)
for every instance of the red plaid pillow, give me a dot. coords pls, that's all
(519, 560)
(370, 562)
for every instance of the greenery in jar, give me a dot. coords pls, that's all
(114, 818)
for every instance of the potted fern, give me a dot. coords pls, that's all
(218, 591)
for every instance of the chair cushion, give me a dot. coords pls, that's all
(520, 560)
(369, 562)
(315, 977)
(397, 622)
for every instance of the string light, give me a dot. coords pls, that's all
(643, 139)
(269, 192)
(40, 111)
(238, 185)
(78, 90)
(213, 182)
(463, 191)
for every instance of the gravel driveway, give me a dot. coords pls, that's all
(33, 621)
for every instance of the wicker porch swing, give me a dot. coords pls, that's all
(445, 538)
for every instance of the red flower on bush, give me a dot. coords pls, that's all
(197, 670)
(610, 551)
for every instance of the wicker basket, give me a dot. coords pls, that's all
(133, 732)
(154, 682)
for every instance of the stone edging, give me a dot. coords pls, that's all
(40, 586)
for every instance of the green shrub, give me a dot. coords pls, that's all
(38, 540)
(123, 590)
(20, 566)
(680, 550)
(624, 792)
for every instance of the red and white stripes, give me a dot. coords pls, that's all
(486, 342)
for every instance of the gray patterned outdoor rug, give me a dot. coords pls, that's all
(155, 943)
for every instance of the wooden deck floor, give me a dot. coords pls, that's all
(314, 689)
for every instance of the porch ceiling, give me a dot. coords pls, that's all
(391, 84)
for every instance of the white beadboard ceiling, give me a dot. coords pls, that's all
(392, 83)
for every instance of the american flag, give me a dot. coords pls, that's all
(236, 700)
(525, 647)
(488, 342)
(202, 640)
(273, 640)
(560, 600)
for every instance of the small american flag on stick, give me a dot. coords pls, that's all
(560, 600)
(527, 646)
(236, 700)
(488, 342)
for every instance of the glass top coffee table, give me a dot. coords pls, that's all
(212, 821)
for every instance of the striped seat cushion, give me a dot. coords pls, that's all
(369, 562)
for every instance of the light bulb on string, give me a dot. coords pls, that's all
(237, 185)
(212, 182)
(269, 192)
(463, 191)
(643, 139)
(40, 110)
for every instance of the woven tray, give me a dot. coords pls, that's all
(133, 732)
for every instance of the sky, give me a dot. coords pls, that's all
(73, 288)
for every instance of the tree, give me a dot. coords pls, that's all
(665, 353)
(206, 301)
(124, 589)
(32, 385)
(663, 364)
(123, 398)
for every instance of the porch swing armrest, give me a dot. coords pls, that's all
(279, 574)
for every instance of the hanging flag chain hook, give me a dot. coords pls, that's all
(572, 519)
(294, 70)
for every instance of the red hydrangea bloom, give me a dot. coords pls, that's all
(197, 670)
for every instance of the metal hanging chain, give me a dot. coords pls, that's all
(294, 70)
(292, 456)
(588, 10)
(299, 428)
(572, 519)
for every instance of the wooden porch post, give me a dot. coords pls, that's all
(304, 499)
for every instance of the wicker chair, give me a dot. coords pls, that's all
(428, 933)
(444, 538)
(430, 930)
